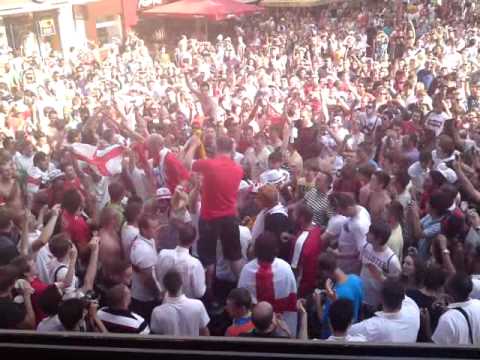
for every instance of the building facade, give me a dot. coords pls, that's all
(37, 26)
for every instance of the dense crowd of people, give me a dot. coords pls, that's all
(315, 176)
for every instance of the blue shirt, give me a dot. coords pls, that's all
(351, 289)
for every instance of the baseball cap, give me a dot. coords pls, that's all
(163, 193)
(273, 176)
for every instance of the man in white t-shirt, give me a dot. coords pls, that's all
(130, 229)
(460, 324)
(399, 321)
(189, 267)
(340, 318)
(378, 262)
(143, 256)
(435, 120)
(353, 235)
(179, 315)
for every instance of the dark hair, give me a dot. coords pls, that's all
(434, 277)
(59, 245)
(71, 200)
(447, 144)
(172, 281)
(393, 293)
(186, 234)
(133, 210)
(115, 295)
(116, 190)
(327, 262)
(425, 156)
(50, 299)
(275, 156)
(381, 231)
(224, 144)
(395, 209)
(440, 201)
(21, 263)
(70, 312)
(383, 178)
(266, 247)
(304, 211)
(328, 176)
(341, 314)
(6, 218)
(459, 286)
(345, 200)
(8, 275)
(402, 179)
(240, 297)
(38, 157)
(366, 170)
(437, 178)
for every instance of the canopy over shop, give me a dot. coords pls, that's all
(179, 14)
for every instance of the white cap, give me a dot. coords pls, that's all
(272, 177)
(447, 173)
(163, 193)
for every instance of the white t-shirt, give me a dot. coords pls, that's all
(352, 239)
(191, 269)
(400, 327)
(102, 197)
(44, 256)
(452, 328)
(179, 316)
(335, 224)
(129, 233)
(347, 338)
(435, 122)
(475, 294)
(49, 324)
(386, 261)
(417, 175)
(143, 255)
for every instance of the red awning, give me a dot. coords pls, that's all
(211, 9)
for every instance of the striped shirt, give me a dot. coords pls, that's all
(123, 321)
(320, 206)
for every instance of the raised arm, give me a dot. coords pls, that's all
(47, 230)
(91, 272)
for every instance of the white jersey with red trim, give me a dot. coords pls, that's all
(274, 283)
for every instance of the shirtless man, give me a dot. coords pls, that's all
(110, 244)
(378, 198)
(209, 107)
(10, 193)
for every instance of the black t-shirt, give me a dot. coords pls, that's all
(425, 301)
(12, 314)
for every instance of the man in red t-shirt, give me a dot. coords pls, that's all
(305, 250)
(221, 179)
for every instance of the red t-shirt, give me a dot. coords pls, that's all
(175, 172)
(308, 260)
(221, 178)
(39, 286)
(76, 227)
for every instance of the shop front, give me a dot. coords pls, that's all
(39, 26)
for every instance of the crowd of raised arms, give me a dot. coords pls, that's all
(315, 176)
